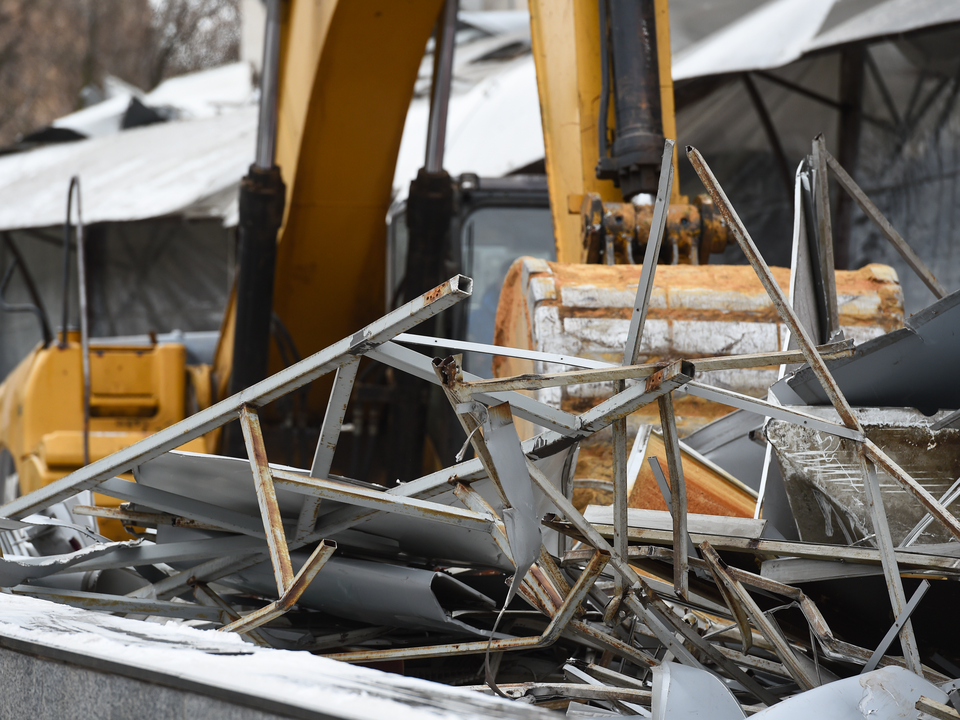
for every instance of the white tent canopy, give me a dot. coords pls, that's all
(780, 32)
(187, 168)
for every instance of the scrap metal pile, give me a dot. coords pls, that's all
(485, 574)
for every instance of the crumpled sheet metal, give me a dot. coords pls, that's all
(227, 482)
(889, 693)
(520, 519)
(377, 593)
(893, 370)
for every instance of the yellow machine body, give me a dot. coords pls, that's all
(134, 392)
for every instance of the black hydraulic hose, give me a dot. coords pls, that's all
(604, 79)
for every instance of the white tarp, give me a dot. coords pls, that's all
(207, 93)
(780, 32)
(189, 168)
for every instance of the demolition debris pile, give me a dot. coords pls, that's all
(798, 600)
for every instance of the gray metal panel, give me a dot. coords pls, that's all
(228, 482)
(686, 693)
(898, 369)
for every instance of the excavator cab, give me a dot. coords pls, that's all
(495, 221)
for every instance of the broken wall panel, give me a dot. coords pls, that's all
(825, 486)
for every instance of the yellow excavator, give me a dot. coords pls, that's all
(336, 87)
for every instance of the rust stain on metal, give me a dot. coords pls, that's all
(267, 498)
(692, 233)
(655, 380)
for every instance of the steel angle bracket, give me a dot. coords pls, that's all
(289, 597)
(495, 441)
(289, 587)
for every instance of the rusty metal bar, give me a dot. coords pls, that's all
(205, 596)
(289, 597)
(737, 593)
(450, 376)
(609, 643)
(620, 492)
(754, 662)
(891, 572)
(551, 570)
(224, 562)
(768, 409)
(678, 495)
(141, 519)
(100, 602)
(761, 548)
(327, 443)
(550, 635)
(780, 301)
(674, 375)
(631, 348)
(475, 502)
(543, 585)
(611, 677)
(381, 500)
(573, 690)
(650, 256)
(886, 229)
(498, 350)
(267, 499)
(403, 318)
(575, 674)
(911, 537)
(664, 488)
(198, 511)
(740, 617)
(345, 638)
(611, 372)
(421, 366)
